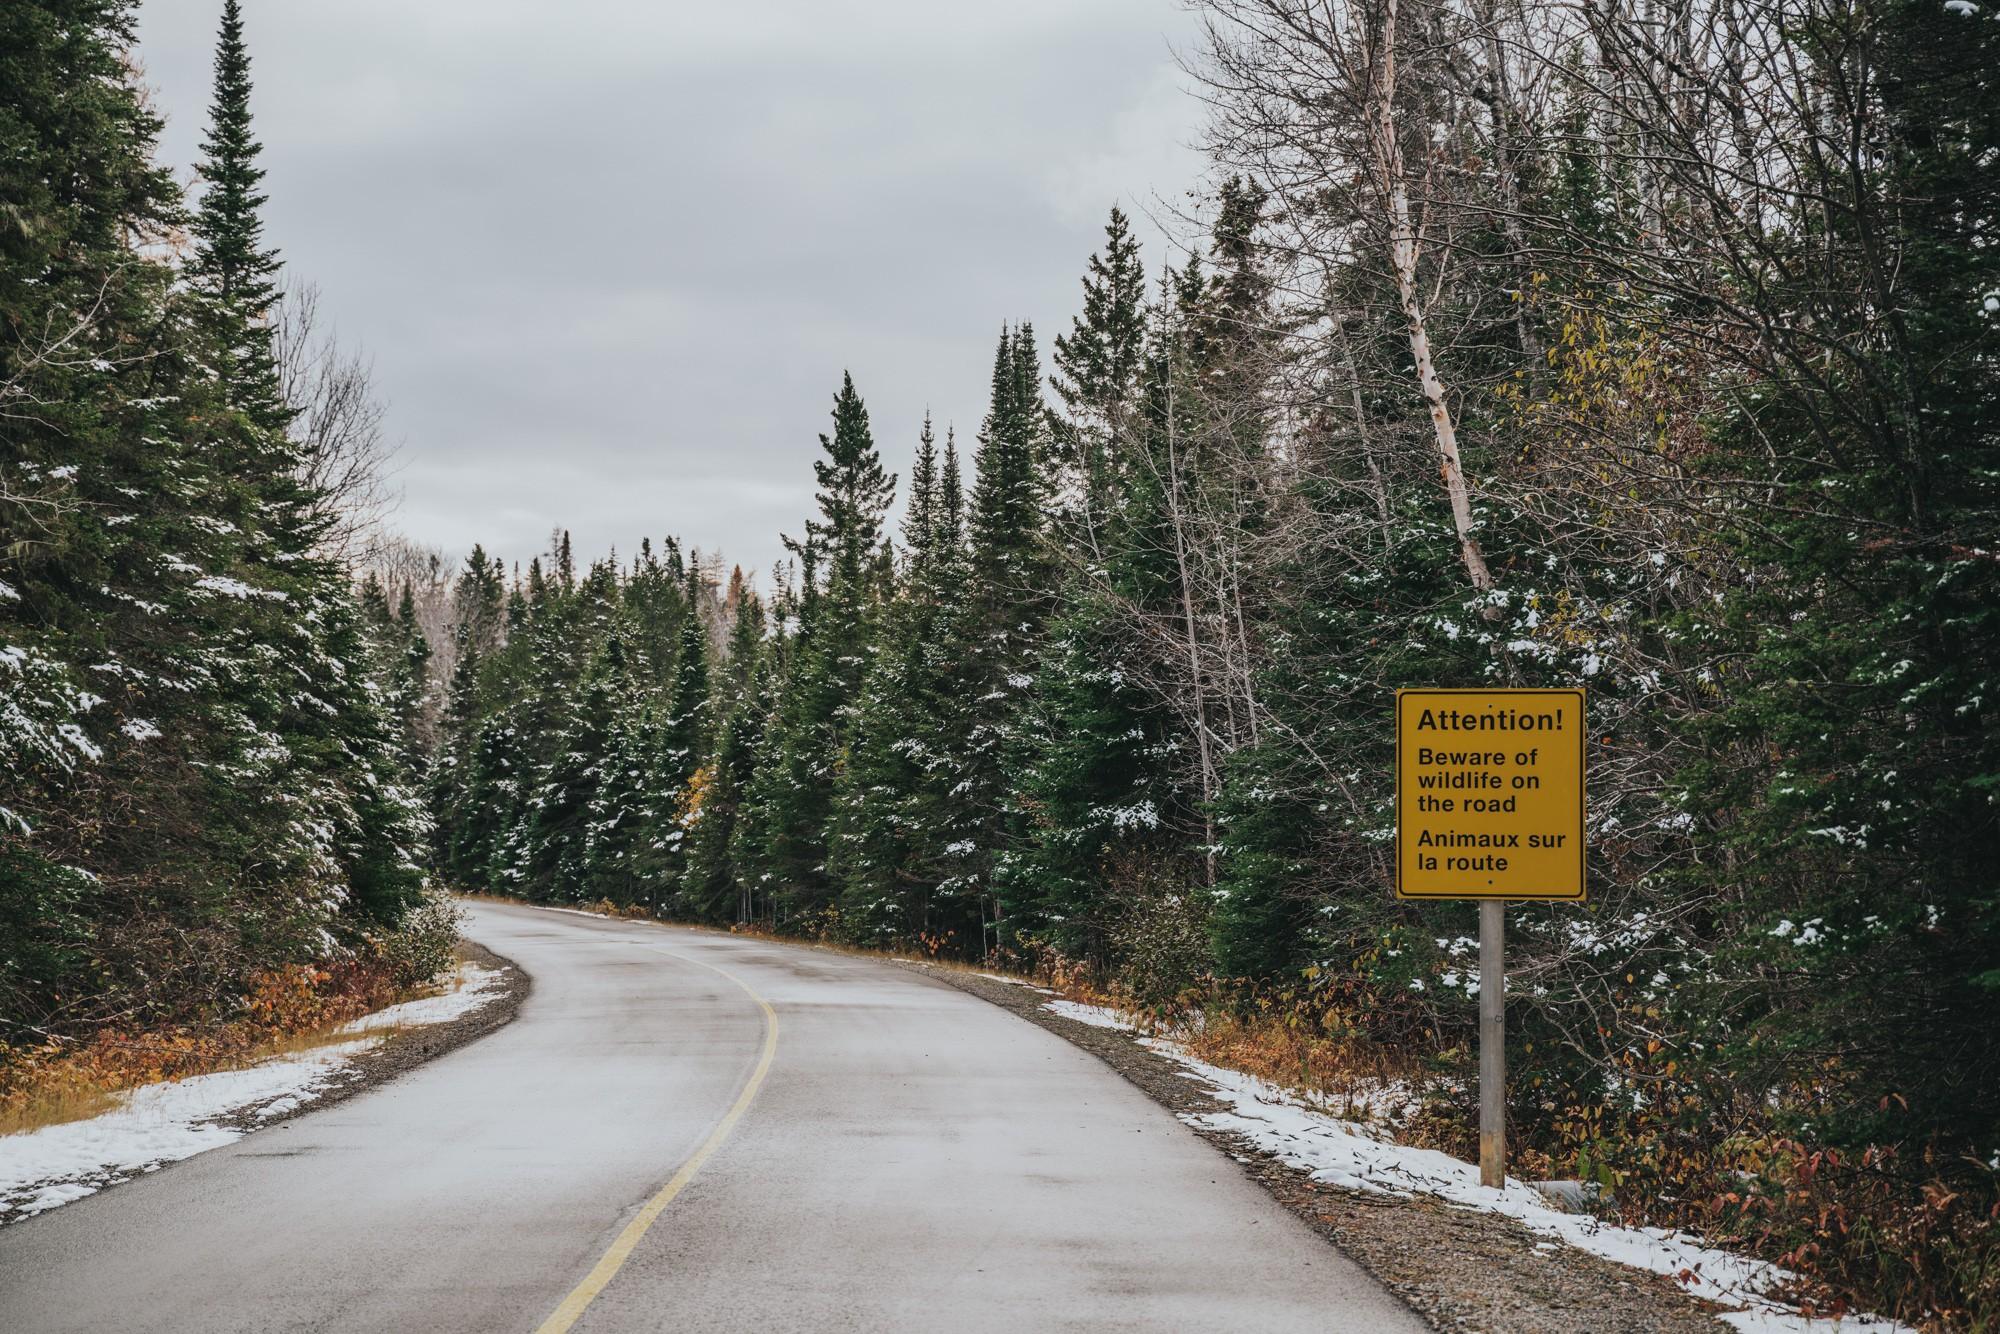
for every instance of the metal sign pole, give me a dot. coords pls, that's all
(1492, 1043)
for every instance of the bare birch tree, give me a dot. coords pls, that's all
(346, 457)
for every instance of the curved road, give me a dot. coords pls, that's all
(904, 1157)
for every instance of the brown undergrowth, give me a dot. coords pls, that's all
(288, 1009)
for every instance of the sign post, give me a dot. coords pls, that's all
(1492, 1043)
(1489, 806)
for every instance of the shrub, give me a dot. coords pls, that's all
(1161, 943)
(424, 946)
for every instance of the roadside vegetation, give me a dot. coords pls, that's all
(1518, 344)
(1652, 349)
(212, 838)
(288, 1009)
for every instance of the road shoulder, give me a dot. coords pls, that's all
(405, 1051)
(155, 1126)
(1461, 1270)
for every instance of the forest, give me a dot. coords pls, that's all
(1645, 347)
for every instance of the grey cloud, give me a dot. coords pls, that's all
(611, 259)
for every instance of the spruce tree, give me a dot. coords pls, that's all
(407, 695)
(884, 844)
(681, 753)
(712, 887)
(624, 803)
(792, 793)
(311, 759)
(556, 817)
(1092, 773)
(98, 485)
(1097, 372)
(231, 264)
(995, 629)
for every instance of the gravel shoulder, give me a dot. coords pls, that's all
(400, 1052)
(1466, 1272)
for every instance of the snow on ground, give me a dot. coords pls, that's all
(160, 1123)
(1094, 1015)
(1360, 1157)
(471, 989)
(1018, 982)
(166, 1122)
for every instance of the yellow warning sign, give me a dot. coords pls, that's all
(1489, 794)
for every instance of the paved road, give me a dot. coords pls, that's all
(906, 1157)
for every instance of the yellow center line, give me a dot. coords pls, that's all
(613, 1260)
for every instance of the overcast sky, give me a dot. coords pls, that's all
(610, 257)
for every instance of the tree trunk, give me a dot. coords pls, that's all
(1403, 252)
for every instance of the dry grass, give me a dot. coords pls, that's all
(1329, 1070)
(55, 1105)
(289, 1012)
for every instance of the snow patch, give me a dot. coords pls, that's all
(1097, 1016)
(472, 988)
(1360, 1156)
(178, 1118)
(160, 1123)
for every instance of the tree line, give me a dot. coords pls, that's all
(1649, 348)
(203, 772)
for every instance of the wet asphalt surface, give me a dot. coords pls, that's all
(915, 1159)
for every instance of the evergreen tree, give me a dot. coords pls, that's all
(407, 696)
(197, 781)
(1865, 630)
(886, 844)
(995, 629)
(624, 806)
(231, 264)
(308, 758)
(681, 753)
(460, 799)
(1090, 773)
(1098, 367)
(713, 888)
(792, 793)
(556, 815)
(89, 609)
(745, 650)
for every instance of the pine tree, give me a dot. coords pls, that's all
(885, 844)
(97, 486)
(231, 264)
(407, 693)
(1091, 773)
(624, 804)
(1864, 635)
(1098, 365)
(993, 632)
(556, 818)
(459, 797)
(712, 889)
(682, 748)
(309, 758)
(745, 650)
(719, 883)
(792, 792)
